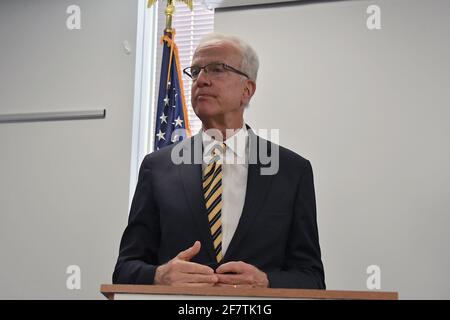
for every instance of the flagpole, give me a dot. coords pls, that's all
(170, 10)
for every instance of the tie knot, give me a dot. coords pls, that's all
(218, 149)
(216, 153)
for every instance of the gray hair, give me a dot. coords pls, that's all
(250, 61)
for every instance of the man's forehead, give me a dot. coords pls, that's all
(216, 48)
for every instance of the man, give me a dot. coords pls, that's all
(212, 223)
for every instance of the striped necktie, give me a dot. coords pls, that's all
(212, 190)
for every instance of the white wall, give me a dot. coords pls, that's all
(370, 109)
(64, 184)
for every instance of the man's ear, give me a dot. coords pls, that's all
(249, 90)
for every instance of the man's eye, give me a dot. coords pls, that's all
(195, 71)
(217, 69)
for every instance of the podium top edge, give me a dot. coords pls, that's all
(108, 290)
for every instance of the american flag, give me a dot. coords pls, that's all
(171, 114)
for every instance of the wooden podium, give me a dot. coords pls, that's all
(154, 292)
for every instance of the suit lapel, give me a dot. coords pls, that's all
(257, 187)
(191, 177)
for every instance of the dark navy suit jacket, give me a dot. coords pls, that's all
(277, 231)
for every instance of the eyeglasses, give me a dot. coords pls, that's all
(215, 70)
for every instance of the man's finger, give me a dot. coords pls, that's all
(198, 278)
(231, 267)
(191, 252)
(223, 285)
(232, 279)
(189, 284)
(193, 268)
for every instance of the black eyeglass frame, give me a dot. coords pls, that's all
(187, 70)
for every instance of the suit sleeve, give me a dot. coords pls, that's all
(303, 266)
(138, 253)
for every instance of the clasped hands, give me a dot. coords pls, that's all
(180, 271)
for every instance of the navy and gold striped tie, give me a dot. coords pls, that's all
(212, 190)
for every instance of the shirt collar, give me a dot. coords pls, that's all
(237, 143)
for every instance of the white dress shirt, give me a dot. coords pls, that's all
(234, 179)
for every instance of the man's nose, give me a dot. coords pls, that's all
(202, 79)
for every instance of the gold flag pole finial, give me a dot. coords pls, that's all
(170, 10)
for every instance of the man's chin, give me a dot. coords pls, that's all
(205, 111)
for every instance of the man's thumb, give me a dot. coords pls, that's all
(191, 252)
